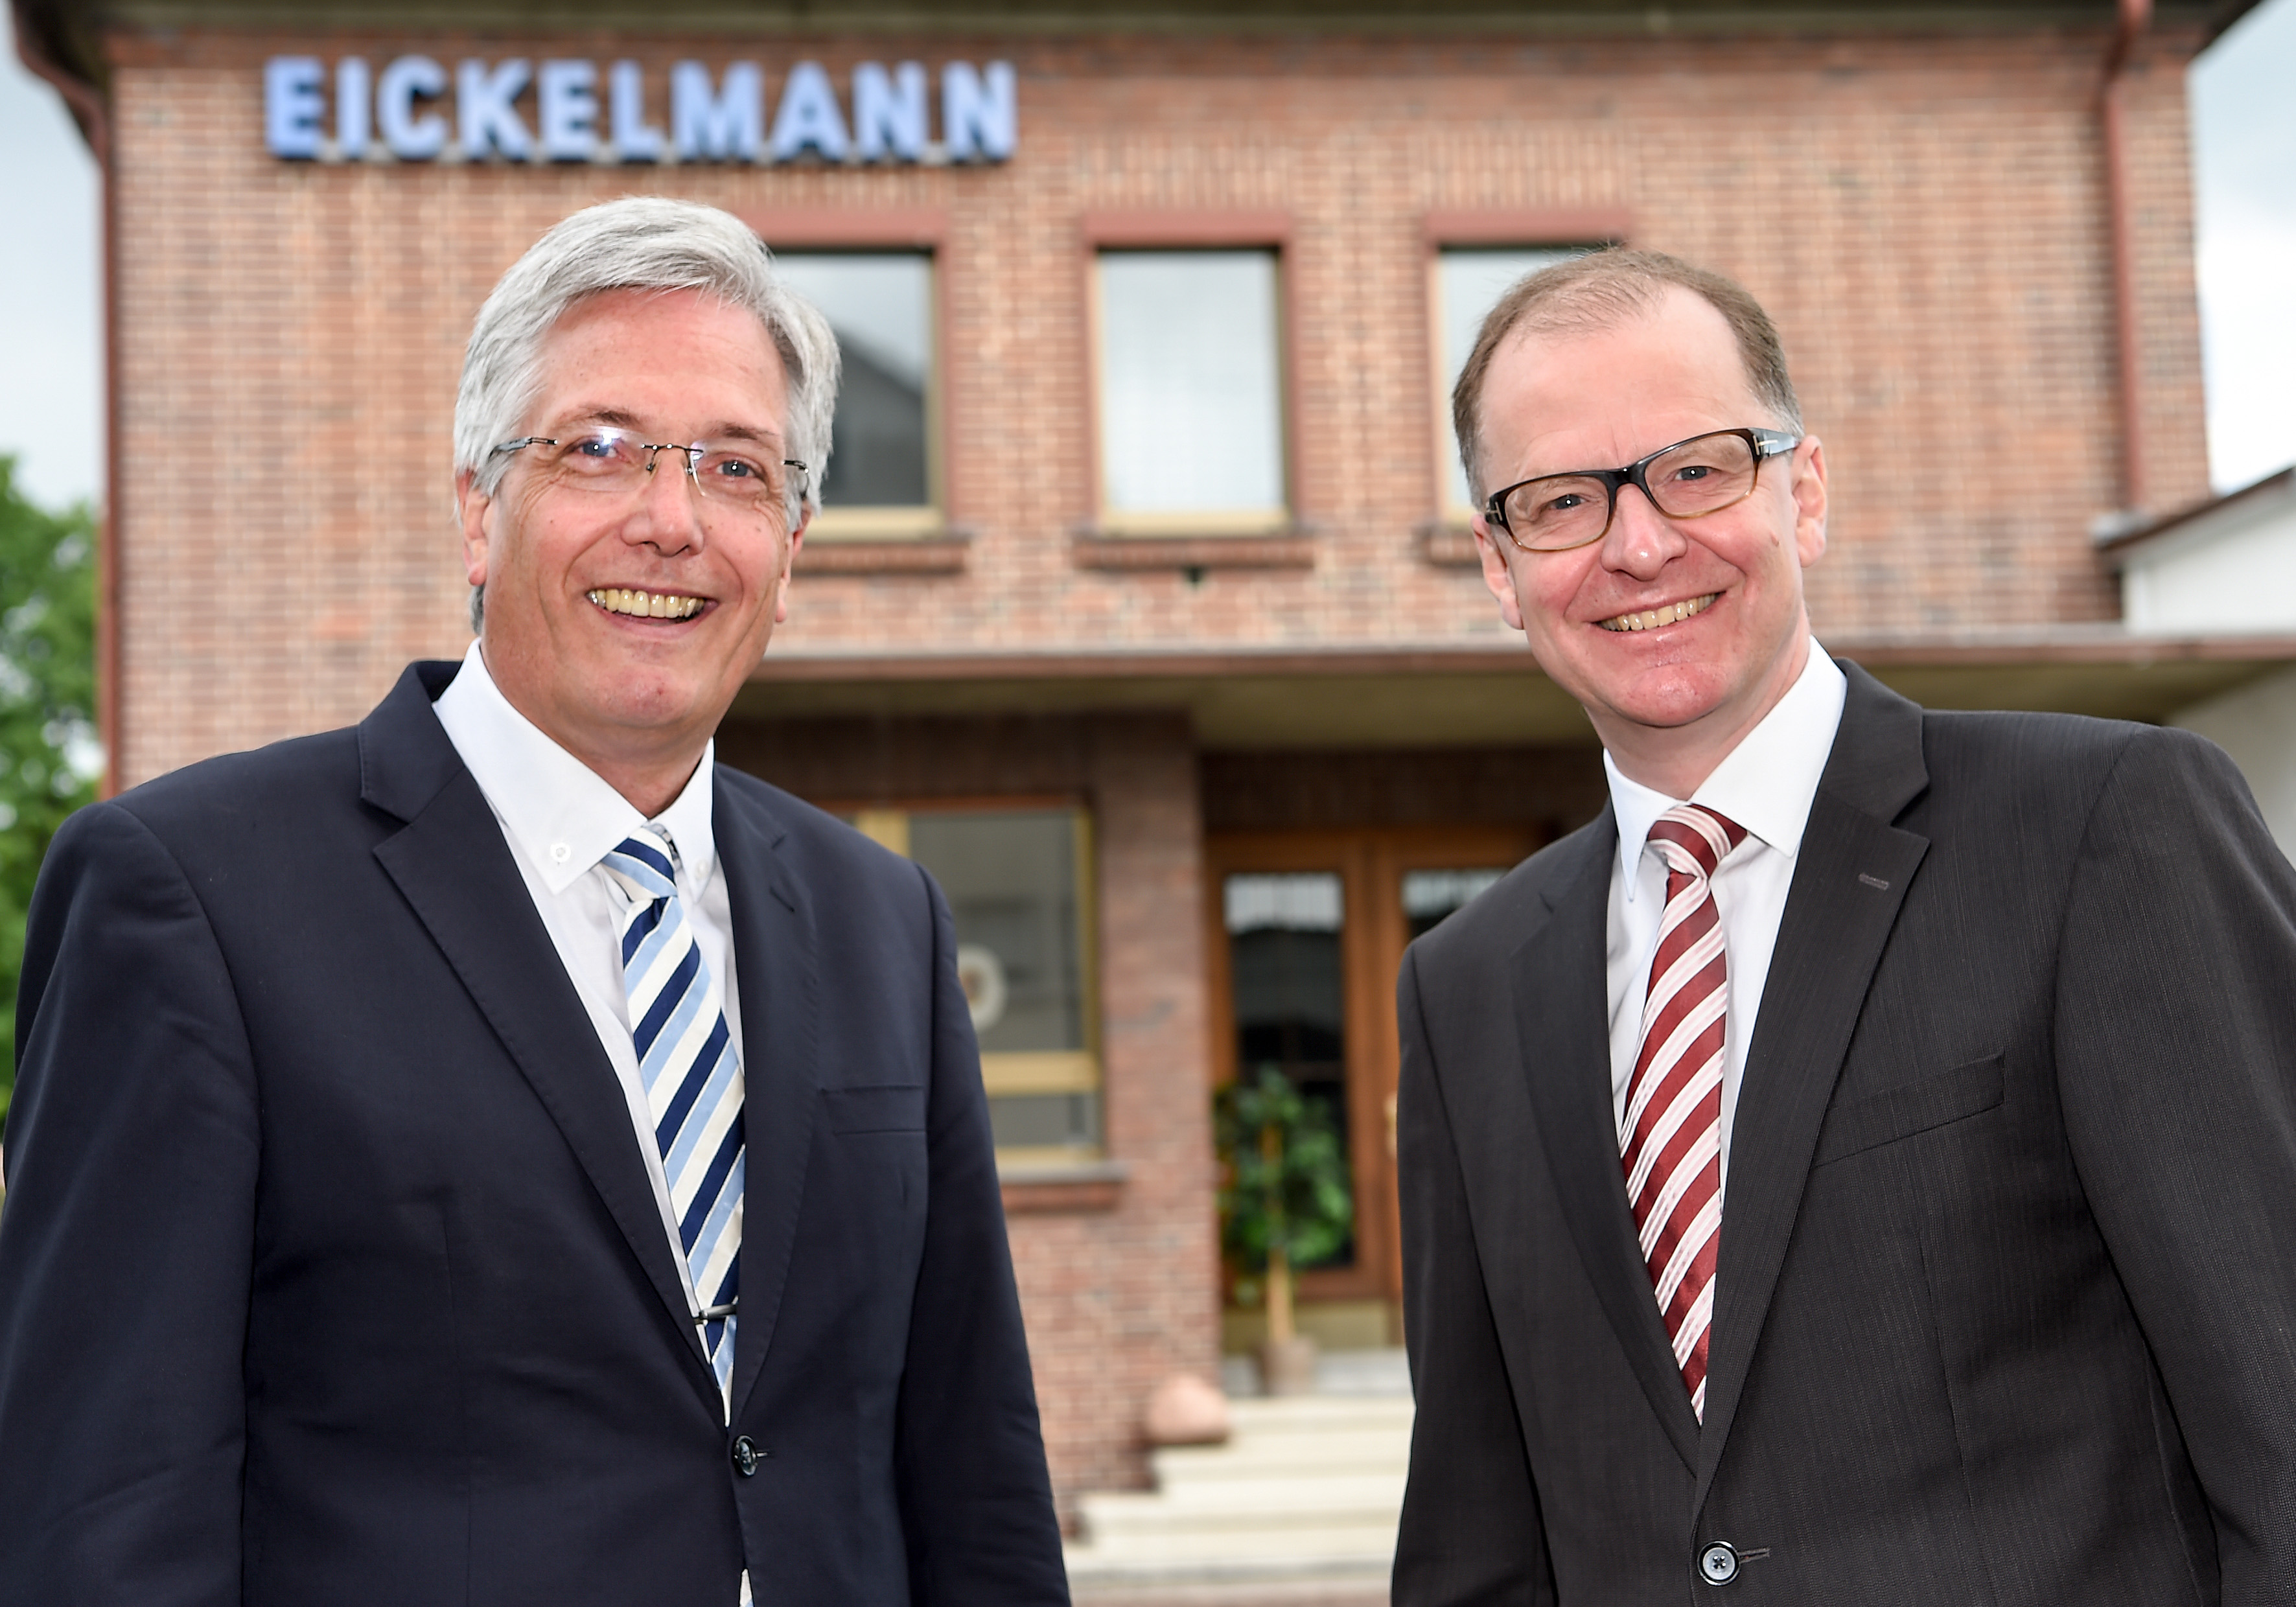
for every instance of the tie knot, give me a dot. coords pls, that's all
(1694, 839)
(644, 865)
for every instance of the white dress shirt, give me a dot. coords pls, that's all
(560, 818)
(1767, 785)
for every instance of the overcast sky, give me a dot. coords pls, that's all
(2244, 134)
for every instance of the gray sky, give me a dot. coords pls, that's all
(2244, 134)
(51, 280)
(2244, 149)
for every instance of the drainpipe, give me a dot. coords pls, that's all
(90, 110)
(2136, 17)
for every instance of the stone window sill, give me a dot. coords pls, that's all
(940, 552)
(1445, 546)
(1036, 1188)
(1291, 548)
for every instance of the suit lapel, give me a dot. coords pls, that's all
(451, 864)
(1848, 883)
(781, 1054)
(1562, 1020)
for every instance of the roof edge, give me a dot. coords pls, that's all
(2282, 482)
(2207, 18)
(2107, 643)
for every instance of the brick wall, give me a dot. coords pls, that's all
(1925, 216)
(1121, 1287)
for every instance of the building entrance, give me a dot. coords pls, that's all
(1308, 930)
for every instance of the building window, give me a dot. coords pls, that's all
(1469, 281)
(1019, 884)
(1191, 393)
(880, 479)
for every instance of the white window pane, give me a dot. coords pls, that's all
(1296, 901)
(1438, 893)
(880, 303)
(1469, 282)
(1191, 415)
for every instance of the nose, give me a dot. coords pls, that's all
(668, 514)
(1641, 540)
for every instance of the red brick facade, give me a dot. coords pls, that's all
(1119, 1277)
(1925, 213)
(1925, 217)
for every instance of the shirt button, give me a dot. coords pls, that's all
(560, 852)
(746, 1457)
(1717, 1564)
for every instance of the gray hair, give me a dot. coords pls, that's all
(647, 243)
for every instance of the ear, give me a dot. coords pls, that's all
(1493, 551)
(1809, 500)
(783, 582)
(474, 511)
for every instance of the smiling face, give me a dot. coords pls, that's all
(1676, 635)
(623, 626)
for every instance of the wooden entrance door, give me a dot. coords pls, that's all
(1308, 930)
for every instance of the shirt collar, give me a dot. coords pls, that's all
(1765, 784)
(562, 813)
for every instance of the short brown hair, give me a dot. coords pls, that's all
(1600, 290)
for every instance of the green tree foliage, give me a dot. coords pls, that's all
(1284, 1182)
(48, 754)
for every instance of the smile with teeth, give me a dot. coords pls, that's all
(1651, 619)
(646, 605)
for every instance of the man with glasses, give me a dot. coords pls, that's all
(1861, 1165)
(493, 1154)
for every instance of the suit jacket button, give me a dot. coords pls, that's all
(1717, 1564)
(746, 1456)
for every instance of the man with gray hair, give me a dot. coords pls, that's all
(492, 1154)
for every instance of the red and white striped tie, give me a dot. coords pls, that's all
(1670, 1142)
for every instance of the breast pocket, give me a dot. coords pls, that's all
(895, 1108)
(1934, 1102)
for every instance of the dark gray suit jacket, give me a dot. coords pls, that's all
(330, 1271)
(2006, 1294)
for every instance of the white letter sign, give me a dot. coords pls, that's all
(569, 111)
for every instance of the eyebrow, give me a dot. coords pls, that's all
(621, 418)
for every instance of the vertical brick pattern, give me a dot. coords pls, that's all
(1115, 1299)
(1926, 215)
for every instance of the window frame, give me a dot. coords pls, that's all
(1533, 230)
(1076, 1072)
(887, 232)
(1193, 229)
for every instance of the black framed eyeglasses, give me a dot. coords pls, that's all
(605, 460)
(1689, 479)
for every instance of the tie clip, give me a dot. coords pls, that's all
(717, 1313)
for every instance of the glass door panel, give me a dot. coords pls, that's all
(1307, 930)
(1287, 977)
(1429, 895)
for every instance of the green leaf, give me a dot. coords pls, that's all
(49, 761)
(1284, 1176)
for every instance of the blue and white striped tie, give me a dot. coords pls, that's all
(693, 1080)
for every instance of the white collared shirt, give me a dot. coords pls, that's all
(560, 818)
(1767, 785)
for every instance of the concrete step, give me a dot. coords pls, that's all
(1371, 1499)
(1318, 1413)
(1304, 1496)
(1285, 1456)
(1363, 1587)
(1302, 1552)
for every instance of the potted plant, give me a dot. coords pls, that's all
(1285, 1204)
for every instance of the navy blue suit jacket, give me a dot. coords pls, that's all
(330, 1270)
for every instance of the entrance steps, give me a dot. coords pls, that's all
(1298, 1508)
